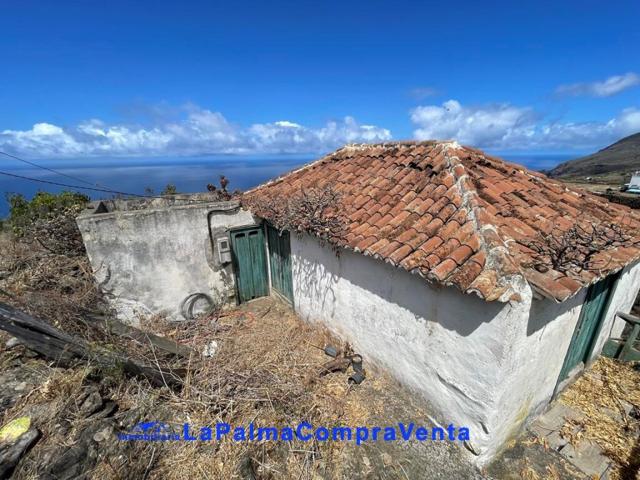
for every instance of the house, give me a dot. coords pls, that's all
(439, 277)
(452, 269)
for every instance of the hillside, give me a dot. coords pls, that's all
(613, 164)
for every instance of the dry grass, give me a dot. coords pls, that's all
(600, 395)
(57, 287)
(266, 372)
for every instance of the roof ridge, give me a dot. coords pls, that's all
(494, 248)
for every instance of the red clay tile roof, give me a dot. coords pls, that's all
(455, 215)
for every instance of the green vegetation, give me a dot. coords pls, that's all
(170, 189)
(49, 219)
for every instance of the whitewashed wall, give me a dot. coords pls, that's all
(147, 261)
(450, 347)
(536, 353)
(623, 299)
(486, 365)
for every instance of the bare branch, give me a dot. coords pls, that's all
(317, 211)
(576, 249)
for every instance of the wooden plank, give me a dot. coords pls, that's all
(54, 344)
(114, 326)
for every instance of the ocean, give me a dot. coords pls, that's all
(188, 174)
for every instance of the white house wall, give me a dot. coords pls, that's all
(148, 261)
(622, 300)
(486, 365)
(451, 347)
(536, 353)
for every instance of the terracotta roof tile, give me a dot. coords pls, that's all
(454, 214)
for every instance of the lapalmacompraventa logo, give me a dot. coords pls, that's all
(162, 432)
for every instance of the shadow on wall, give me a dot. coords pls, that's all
(545, 311)
(327, 279)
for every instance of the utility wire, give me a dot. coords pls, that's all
(94, 189)
(71, 177)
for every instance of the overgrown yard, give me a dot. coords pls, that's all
(262, 366)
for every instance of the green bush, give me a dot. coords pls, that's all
(49, 219)
(170, 189)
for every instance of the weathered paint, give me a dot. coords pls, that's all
(487, 365)
(588, 327)
(280, 262)
(622, 300)
(147, 261)
(250, 263)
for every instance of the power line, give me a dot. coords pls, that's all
(94, 189)
(71, 177)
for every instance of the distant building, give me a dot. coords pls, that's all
(634, 184)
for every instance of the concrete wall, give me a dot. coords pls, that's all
(147, 261)
(488, 366)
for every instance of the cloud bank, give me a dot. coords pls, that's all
(508, 127)
(606, 88)
(199, 132)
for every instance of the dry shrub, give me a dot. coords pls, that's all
(579, 248)
(49, 220)
(57, 287)
(316, 211)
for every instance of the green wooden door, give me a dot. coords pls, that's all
(280, 262)
(589, 323)
(250, 263)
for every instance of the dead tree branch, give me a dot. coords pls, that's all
(317, 211)
(577, 249)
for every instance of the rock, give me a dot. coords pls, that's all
(20, 387)
(12, 343)
(104, 434)
(588, 457)
(210, 349)
(91, 404)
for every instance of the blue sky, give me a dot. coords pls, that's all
(89, 79)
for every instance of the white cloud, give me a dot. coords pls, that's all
(611, 86)
(200, 131)
(508, 127)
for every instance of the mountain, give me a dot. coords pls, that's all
(613, 163)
